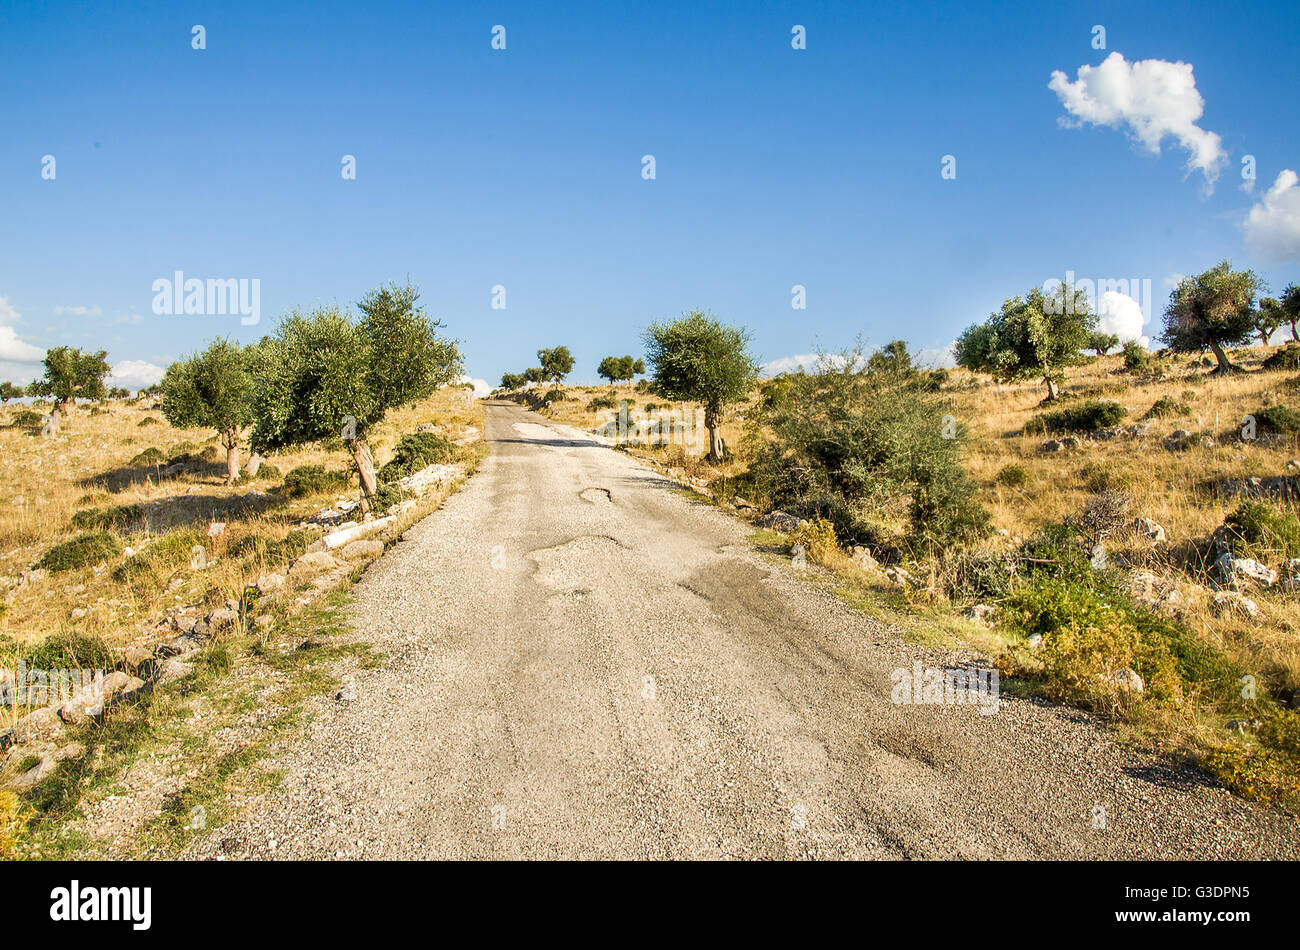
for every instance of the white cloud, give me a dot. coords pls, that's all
(481, 388)
(77, 311)
(937, 357)
(1152, 98)
(8, 315)
(135, 374)
(15, 350)
(790, 364)
(1273, 225)
(1121, 315)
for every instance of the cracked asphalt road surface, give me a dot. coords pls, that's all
(583, 663)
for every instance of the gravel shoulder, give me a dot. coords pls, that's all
(582, 663)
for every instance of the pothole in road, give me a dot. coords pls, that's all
(597, 496)
(581, 564)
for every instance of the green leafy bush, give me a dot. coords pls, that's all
(603, 401)
(1085, 417)
(1167, 406)
(70, 651)
(1091, 627)
(554, 395)
(150, 456)
(81, 551)
(148, 421)
(27, 419)
(1013, 476)
(107, 519)
(389, 495)
(873, 453)
(313, 480)
(1259, 528)
(1280, 420)
(1137, 359)
(416, 451)
(1286, 358)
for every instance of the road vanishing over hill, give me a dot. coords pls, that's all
(580, 662)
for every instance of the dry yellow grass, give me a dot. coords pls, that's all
(47, 480)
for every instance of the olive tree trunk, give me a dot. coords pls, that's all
(1052, 390)
(230, 439)
(712, 422)
(1224, 366)
(365, 463)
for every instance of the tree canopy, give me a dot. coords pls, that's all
(212, 390)
(1214, 309)
(71, 374)
(324, 374)
(556, 363)
(699, 359)
(1032, 337)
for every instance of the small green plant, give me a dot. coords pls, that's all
(390, 495)
(150, 456)
(148, 421)
(1137, 359)
(1280, 420)
(81, 551)
(1084, 417)
(1013, 476)
(1260, 528)
(69, 651)
(1286, 358)
(1167, 406)
(416, 451)
(313, 480)
(107, 519)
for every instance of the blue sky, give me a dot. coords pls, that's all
(522, 167)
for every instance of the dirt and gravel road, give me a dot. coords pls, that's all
(583, 663)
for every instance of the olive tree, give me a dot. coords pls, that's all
(1215, 309)
(1102, 343)
(9, 391)
(1032, 337)
(326, 374)
(620, 368)
(697, 358)
(1274, 312)
(70, 375)
(212, 390)
(512, 380)
(556, 363)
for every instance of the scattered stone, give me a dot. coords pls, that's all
(269, 583)
(1052, 445)
(1232, 571)
(365, 547)
(89, 702)
(311, 563)
(898, 576)
(983, 613)
(1035, 641)
(1125, 680)
(174, 668)
(43, 723)
(348, 692)
(222, 619)
(863, 559)
(1231, 601)
(781, 521)
(1149, 530)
